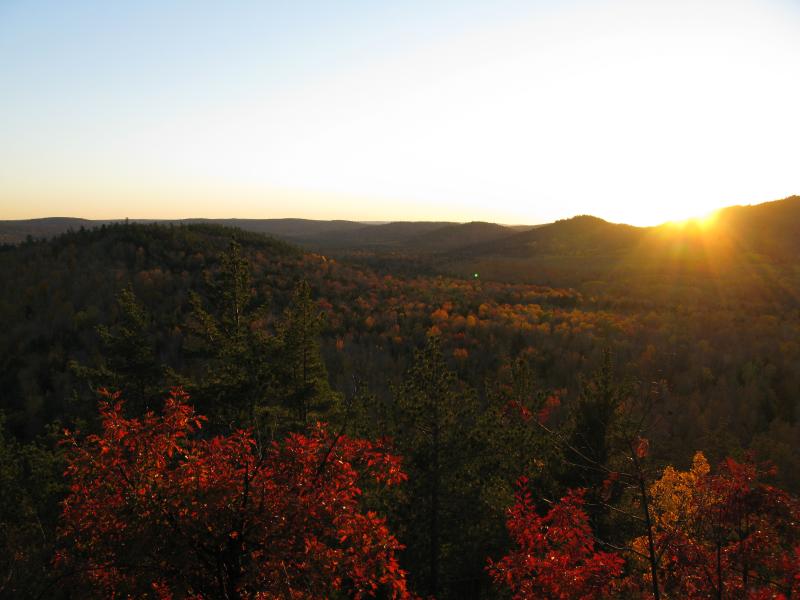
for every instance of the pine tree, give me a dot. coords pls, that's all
(231, 344)
(593, 421)
(128, 363)
(301, 379)
(434, 415)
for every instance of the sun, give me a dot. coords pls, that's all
(703, 223)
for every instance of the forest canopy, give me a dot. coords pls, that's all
(246, 419)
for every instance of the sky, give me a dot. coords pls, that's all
(636, 111)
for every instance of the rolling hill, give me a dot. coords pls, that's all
(453, 237)
(745, 245)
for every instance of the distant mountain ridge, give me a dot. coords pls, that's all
(417, 236)
(581, 244)
(311, 233)
(455, 236)
(13, 232)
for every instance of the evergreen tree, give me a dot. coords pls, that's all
(512, 443)
(301, 379)
(593, 421)
(231, 344)
(434, 415)
(128, 363)
(31, 489)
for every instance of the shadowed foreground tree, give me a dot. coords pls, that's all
(301, 379)
(229, 339)
(129, 364)
(594, 420)
(30, 488)
(433, 420)
(272, 383)
(154, 509)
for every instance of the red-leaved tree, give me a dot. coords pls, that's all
(727, 534)
(154, 509)
(554, 555)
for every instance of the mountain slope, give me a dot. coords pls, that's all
(451, 237)
(579, 236)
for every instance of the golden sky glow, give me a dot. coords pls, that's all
(634, 111)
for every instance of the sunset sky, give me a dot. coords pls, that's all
(514, 112)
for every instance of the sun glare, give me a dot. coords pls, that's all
(703, 223)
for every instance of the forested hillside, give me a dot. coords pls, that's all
(589, 411)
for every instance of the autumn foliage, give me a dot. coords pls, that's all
(554, 555)
(726, 534)
(155, 508)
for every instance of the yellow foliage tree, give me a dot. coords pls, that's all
(673, 494)
(673, 499)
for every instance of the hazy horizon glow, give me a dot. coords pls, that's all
(635, 111)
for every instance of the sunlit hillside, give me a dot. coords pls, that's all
(744, 247)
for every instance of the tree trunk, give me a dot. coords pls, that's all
(651, 547)
(434, 522)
